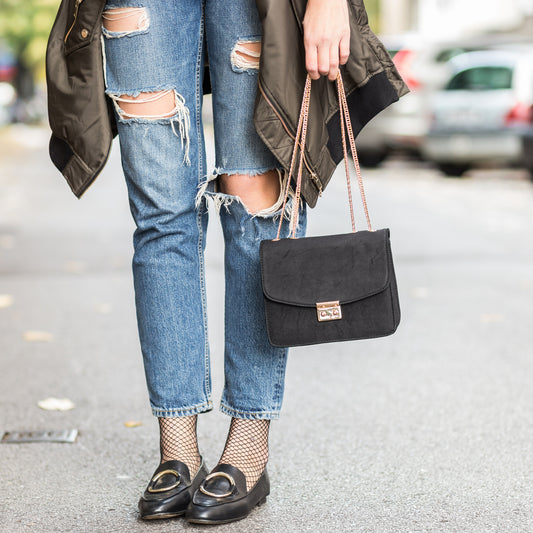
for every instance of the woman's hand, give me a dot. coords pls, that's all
(326, 37)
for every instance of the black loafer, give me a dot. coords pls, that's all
(222, 496)
(170, 490)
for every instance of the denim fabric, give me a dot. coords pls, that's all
(165, 167)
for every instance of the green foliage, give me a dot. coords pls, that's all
(372, 8)
(25, 25)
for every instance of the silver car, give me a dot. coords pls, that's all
(405, 123)
(478, 116)
(425, 68)
(527, 146)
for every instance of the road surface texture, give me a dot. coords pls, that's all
(430, 430)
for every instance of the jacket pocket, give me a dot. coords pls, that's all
(83, 24)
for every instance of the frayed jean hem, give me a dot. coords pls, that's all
(249, 415)
(185, 411)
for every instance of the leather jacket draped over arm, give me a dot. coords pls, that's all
(82, 118)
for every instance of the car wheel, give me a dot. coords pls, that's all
(370, 159)
(453, 170)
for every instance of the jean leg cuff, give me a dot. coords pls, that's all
(249, 415)
(184, 411)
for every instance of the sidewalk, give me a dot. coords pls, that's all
(426, 431)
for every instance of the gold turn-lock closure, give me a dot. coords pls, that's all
(84, 33)
(327, 311)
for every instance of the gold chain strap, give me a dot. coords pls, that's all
(344, 105)
(299, 143)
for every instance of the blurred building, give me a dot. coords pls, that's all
(441, 19)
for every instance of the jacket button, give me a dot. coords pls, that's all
(84, 33)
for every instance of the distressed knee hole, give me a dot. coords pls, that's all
(261, 195)
(257, 193)
(122, 21)
(245, 55)
(166, 106)
(159, 104)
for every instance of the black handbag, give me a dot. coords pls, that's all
(328, 288)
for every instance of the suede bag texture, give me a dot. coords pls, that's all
(355, 269)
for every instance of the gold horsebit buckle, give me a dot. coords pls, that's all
(158, 476)
(327, 311)
(212, 494)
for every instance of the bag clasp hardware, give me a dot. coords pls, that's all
(327, 311)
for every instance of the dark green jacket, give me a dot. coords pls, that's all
(80, 113)
(82, 119)
(371, 83)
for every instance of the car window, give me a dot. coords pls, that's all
(490, 78)
(449, 53)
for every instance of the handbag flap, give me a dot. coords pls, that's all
(347, 268)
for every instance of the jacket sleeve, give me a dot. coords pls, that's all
(80, 113)
(370, 78)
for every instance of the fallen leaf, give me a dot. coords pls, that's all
(118, 261)
(75, 267)
(492, 318)
(7, 242)
(38, 336)
(133, 424)
(28, 136)
(56, 404)
(6, 300)
(420, 292)
(105, 309)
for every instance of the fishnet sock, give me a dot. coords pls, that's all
(247, 448)
(178, 441)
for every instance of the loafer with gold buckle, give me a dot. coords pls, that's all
(222, 496)
(170, 490)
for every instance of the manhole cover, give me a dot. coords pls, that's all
(65, 435)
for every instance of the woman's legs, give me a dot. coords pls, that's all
(154, 69)
(256, 192)
(154, 76)
(247, 191)
(246, 446)
(179, 441)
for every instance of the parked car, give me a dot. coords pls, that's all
(8, 95)
(402, 123)
(527, 145)
(478, 116)
(425, 68)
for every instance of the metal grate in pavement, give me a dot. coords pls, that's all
(64, 435)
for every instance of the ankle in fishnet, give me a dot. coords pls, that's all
(178, 441)
(247, 448)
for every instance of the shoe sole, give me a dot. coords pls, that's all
(218, 522)
(162, 516)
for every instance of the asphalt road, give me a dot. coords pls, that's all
(428, 430)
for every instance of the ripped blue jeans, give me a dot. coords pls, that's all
(157, 50)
